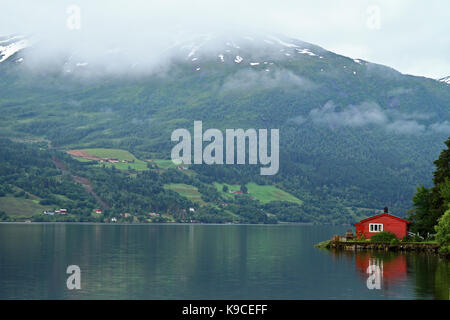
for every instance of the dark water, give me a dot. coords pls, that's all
(204, 262)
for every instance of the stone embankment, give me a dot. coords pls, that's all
(361, 246)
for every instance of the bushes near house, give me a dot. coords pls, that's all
(394, 241)
(384, 236)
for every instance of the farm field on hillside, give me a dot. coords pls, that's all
(263, 193)
(187, 191)
(97, 154)
(20, 207)
(164, 164)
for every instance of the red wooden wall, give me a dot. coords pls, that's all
(390, 224)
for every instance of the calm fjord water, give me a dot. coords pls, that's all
(204, 262)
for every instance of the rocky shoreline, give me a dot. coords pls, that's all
(359, 246)
(432, 248)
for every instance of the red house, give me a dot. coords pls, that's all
(382, 222)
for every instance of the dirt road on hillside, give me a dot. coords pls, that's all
(84, 182)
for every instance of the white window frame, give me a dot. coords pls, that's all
(375, 227)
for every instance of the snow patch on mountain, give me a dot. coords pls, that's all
(11, 46)
(306, 51)
(445, 80)
(286, 44)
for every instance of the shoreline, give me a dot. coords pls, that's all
(161, 223)
(355, 246)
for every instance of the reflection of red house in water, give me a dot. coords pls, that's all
(391, 270)
(382, 222)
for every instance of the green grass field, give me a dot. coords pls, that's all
(264, 193)
(121, 155)
(20, 207)
(126, 155)
(111, 153)
(164, 164)
(187, 191)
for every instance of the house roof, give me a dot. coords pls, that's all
(383, 215)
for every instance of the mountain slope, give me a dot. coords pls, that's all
(353, 134)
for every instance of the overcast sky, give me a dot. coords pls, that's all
(411, 36)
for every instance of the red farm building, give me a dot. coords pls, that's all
(382, 222)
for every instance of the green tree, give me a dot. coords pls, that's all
(443, 232)
(420, 217)
(430, 204)
(440, 193)
(444, 192)
(3, 216)
(442, 165)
